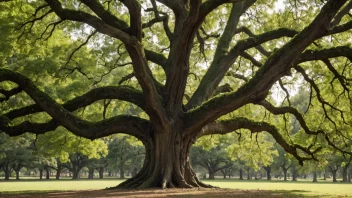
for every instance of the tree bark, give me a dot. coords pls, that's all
(166, 164)
(75, 174)
(285, 174)
(7, 171)
(90, 173)
(241, 174)
(47, 170)
(248, 174)
(122, 173)
(315, 177)
(41, 174)
(58, 172)
(334, 175)
(294, 173)
(101, 173)
(345, 172)
(268, 172)
(211, 175)
(17, 174)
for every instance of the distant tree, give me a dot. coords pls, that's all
(15, 153)
(124, 153)
(214, 159)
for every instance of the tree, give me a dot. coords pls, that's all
(213, 159)
(163, 44)
(15, 153)
(123, 154)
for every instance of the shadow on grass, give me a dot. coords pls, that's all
(181, 193)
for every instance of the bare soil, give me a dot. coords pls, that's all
(161, 193)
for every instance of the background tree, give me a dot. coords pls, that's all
(162, 43)
(213, 159)
(15, 153)
(122, 153)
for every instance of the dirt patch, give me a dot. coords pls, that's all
(160, 193)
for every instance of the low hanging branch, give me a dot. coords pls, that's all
(228, 126)
(9, 93)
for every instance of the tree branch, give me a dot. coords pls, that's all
(124, 93)
(130, 125)
(91, 20)
(277, 65)
(9, 93)
(61, 115)
(228, 126)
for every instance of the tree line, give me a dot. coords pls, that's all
(216, 157)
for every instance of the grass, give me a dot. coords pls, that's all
(304, 188)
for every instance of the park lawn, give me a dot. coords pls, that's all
(304, 188)
(307, 188)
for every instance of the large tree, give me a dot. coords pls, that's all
(184, 55)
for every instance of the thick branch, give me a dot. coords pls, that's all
(61, 115)
(9, 93)
(228, 126)
(124, 93)
(218, 69)
(130, 125)
(274, 68)
(323, 54)
(89, 19)
(341, 14)
(204, 91)
(104, 14)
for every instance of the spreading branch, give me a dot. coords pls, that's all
(60, 114)
(228, 126)
(274, 68)
(9, 93)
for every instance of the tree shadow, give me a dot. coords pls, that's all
(181, 193)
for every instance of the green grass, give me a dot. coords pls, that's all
(35, 185)
(304, 188)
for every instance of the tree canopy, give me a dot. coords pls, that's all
(170, 71)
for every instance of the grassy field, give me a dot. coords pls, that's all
(306, 188)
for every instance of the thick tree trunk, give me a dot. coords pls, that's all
(248, 174)
(294, 174)
(47, 172)
(166, 164)
(211, 175)
(345, 173)
(90, 173)
(241, 174)
(224, 173)
(75, 174)
(334, 176)
(7, 171)
(285, 174)
(58, 172)
(315, 177)
(17, 174)
(41, 174)
(7, 175)
(101, 173)
(350, 175)
(268, 172)
(122, 173)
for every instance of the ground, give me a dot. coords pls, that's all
(66, 187)
(165, 193)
